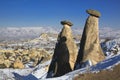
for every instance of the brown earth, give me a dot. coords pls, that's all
(103, 75)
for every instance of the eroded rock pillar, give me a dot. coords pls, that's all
(90, 51)
(65, 52)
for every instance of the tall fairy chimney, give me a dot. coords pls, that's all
(90, 50)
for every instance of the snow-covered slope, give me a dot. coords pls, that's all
(111, 47)
(39, 73)
(110, 61)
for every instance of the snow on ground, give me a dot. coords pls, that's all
(6, 74)
(39, 73)
(106, 64)
(110, 47)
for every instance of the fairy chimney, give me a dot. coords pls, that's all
(65, 52)
(72, 47)
(90, 49)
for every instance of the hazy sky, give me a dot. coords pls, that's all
(25, 13)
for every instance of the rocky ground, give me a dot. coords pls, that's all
(18, 54)
(113, 74)
(31, 58)
(27, 54)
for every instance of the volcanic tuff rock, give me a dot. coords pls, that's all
(93, 13)
(18, 64)
(65, 52)
(19, 58)
(44, 36)
(72, 48)
(66, 23)
(90, 49)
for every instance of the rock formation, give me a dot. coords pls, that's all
(21, 57)
(18, 64)
(65, 52)
(90, 49)
(44, 36)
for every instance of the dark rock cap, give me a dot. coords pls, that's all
(93, 12)
(66, 22)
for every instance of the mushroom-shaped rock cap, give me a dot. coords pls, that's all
(93, 12)
(66, 22)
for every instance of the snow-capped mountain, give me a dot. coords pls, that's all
(19, 33)
(107, 32)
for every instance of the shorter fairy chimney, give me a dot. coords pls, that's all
(65, 52)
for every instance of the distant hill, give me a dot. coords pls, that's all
(23, 33)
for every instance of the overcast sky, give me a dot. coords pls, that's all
(49, 13)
